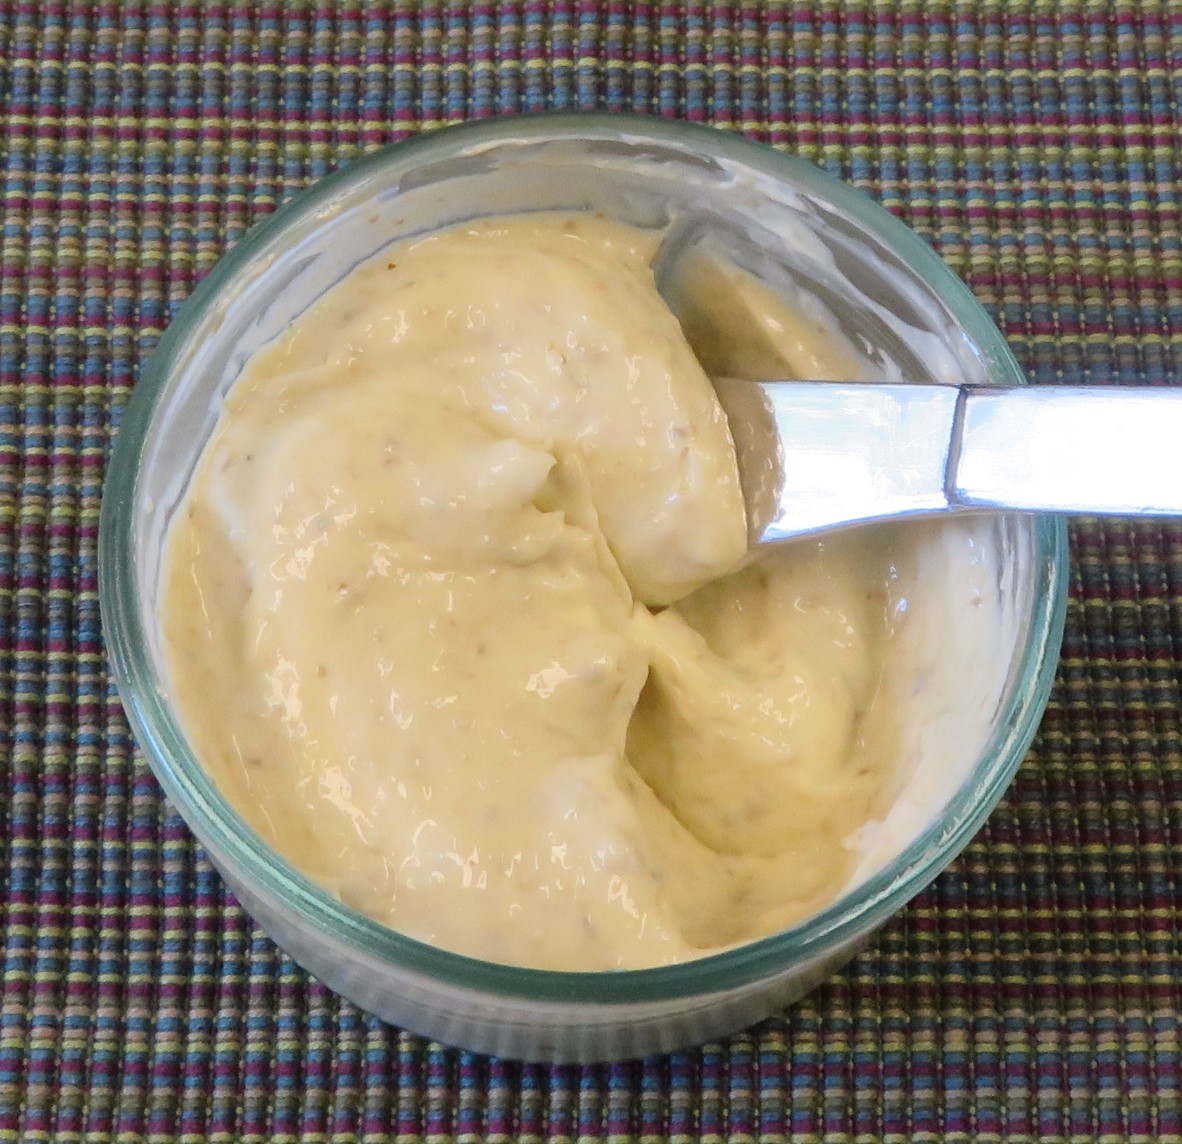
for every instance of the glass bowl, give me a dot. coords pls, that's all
(645, 172)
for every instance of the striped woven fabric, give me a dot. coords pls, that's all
(1033, 993)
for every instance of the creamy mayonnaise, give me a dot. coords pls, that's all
(459, 616)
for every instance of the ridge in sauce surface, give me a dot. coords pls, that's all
(458, 616)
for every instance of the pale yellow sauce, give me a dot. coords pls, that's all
(453, 615)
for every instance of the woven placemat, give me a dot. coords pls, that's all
(1032, 993)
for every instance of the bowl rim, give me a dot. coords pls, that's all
(224, 832)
